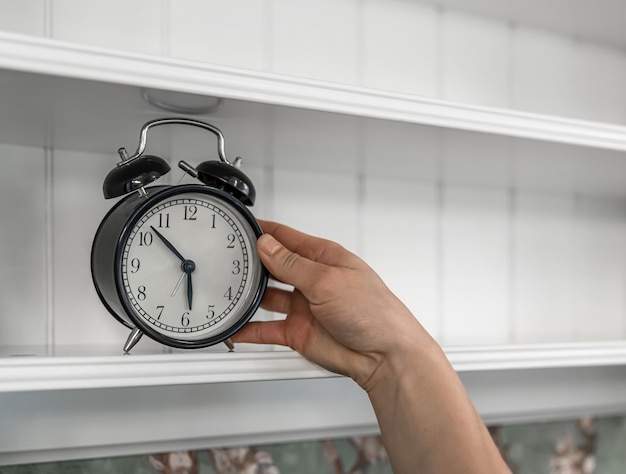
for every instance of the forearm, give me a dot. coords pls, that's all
(427, 420)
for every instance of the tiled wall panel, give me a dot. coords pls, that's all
(314, 141)
(26, 16)
(475, 55)
(543, 267)
(399, 235)
(399, 150)
(409, 47)
(510, 238)
(399, 46)
(478, 256)
(131, 26)
(310, 41)
(475, 281)
(602, 73)
(599, 293)
(23, 247)
(322, 204)
(544, 73)
(226, 33)
(78, 208)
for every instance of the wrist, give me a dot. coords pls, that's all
(412, 353)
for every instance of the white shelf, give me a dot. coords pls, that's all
(83, 370)
(59, 59)
(88, 372)
(224, 391)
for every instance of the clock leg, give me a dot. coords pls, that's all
(230, 344)
(133, 339)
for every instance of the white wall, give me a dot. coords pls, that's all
(487, 239)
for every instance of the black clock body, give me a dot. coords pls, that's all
(112, 272)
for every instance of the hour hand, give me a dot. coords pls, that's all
(168, 244)
(189, 290)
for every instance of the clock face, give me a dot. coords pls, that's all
(189, 268)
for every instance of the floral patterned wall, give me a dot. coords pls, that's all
(583, 446)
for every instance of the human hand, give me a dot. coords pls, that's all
(340, 314)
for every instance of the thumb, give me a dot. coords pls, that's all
(289, 267)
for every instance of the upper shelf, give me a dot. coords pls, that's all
(52, 58)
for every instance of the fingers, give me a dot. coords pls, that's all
(313, 248)
(288, 266)
(262, 332)
(277, 300)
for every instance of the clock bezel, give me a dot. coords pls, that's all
(137, 213)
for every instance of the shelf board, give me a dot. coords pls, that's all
(266, 397)
(83, 370)
(54, 58)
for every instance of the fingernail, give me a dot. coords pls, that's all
(268, 244)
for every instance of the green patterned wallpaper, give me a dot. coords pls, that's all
(581, 446)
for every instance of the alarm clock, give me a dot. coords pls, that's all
(179, 263)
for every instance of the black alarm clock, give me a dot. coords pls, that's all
(179, 263)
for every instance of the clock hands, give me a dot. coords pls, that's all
(168, 244)
(180, 280)
(188, 266)
(189, 288)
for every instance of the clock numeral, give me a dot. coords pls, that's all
(213, 221)
(134, 265)
(164, 220)
(229, 294)
(211, 312)
(190, 213)
(145, 239)
(160, 311)
(231, 241)
(184, 321)
(237, 267)
(141, 293)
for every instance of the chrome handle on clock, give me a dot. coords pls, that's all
(143, 138)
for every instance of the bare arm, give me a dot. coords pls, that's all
(342, 317)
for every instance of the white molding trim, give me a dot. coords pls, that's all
(85, 371)
(537, 356)
(57, 58)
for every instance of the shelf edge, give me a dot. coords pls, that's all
(62, 373)
(57, 58)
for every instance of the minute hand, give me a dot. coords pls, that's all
(168, 244)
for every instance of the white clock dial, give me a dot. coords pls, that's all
(189, 268)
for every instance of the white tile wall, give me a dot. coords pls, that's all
(234, 33)
(475, 280)
(26, 16)
(78, 208)
(399, 46)
(486, 239)
(400, 240)
(23, 247)
(544, 77)
(118, 24)
(398, 150)
(486, 259)
(476, 159)
(599, 269)
(544, 253)
(602, 73)
(402, 46)
(316, 39)
(314, 141)
(476, 61)
(322, 204)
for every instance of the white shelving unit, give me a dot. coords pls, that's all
(58, 95)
